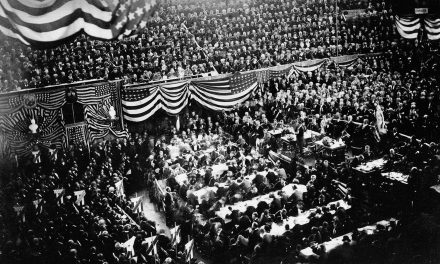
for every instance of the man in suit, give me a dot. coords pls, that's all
(300, 136)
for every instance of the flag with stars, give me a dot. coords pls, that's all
(139, 11)
(140, 103)
(279, 73)
(224, 93)
(76, 134)
(48, 23)
(262, 76)
(94, 94)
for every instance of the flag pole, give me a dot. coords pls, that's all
(118, 87)
(198, 46)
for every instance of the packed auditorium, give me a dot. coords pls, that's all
(219, 131)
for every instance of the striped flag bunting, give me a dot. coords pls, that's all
(15, 127)
(219, 94)
(224, 93)
(279, 73)
(47, 22)
(432, 26)
(345, 61)
(50, 100)
(262, 76)
(98, 122)
(139, 104)
(5, 151)
(94, 94)
(76, 134)
(292, 71)
(310, 65)
(408, 27)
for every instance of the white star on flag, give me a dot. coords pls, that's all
(122, 7)
(139, 11)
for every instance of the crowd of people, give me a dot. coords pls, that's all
(242, 183)
(221, 36)
(365, 107)
(371, 105)
(54, 225)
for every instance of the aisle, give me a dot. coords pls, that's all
(159, 218)
(152, 214)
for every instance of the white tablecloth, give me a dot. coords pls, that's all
(335, 242)
(301, 219)
(200, 194)
(275, 132)
(334, 145)
(242, 206)
(396, 176)
(371, 165)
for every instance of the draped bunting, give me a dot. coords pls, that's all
(345, 61)
(170, 97)
(432, 26)
(15, 128)
(97, 116)
(225, 93)
(45, 106)
(49, 22)
(408, 27)
(307, 66)
(219, 94)
(48, 99)
(279, 72)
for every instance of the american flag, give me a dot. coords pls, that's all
(224, 93)
(262, 76)
(408, 27)
(102, 90)
(432, 26)
(98, 125)
(43, 97)
(279, 73)
(15, 127)
(15, 101)
(76, 134)
(51, 100)
(139, 103)
(46, 23)
(240, 82)
(136, 94)
(94, 94)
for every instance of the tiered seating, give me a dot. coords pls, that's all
(224, 36)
